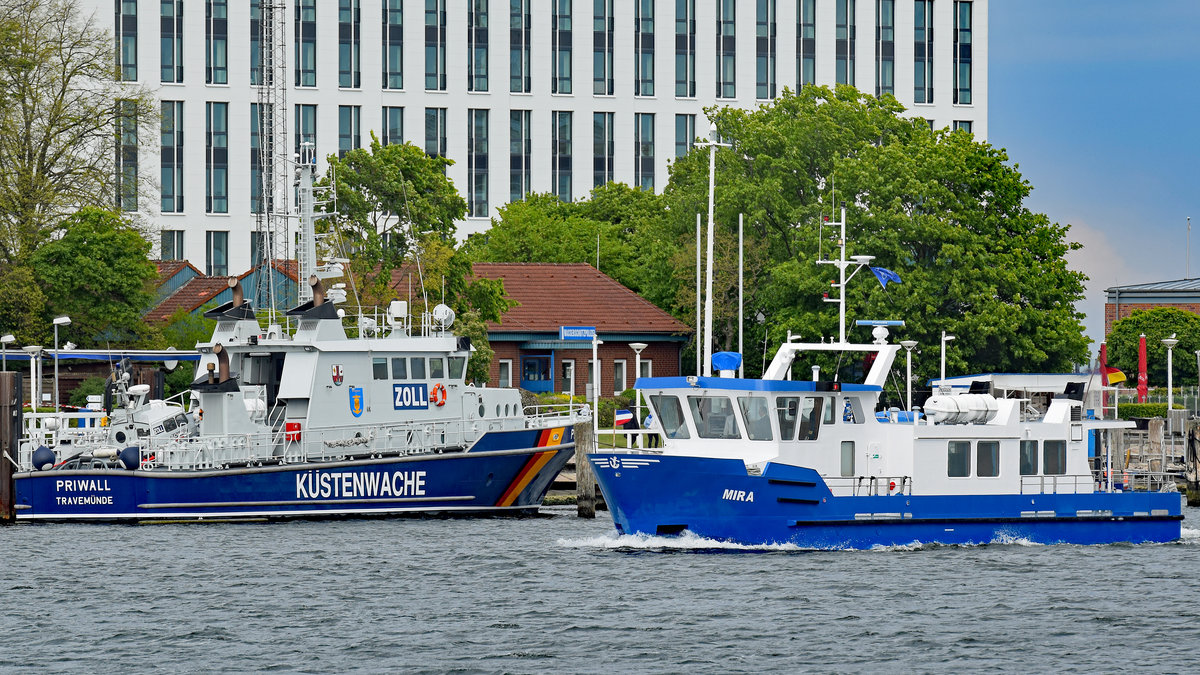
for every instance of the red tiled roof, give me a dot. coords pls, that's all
(169, 268)
(573, 294)
(289, 268)
(191, 295)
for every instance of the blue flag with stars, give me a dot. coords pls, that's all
(885, 275)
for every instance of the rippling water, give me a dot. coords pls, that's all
(559, 594)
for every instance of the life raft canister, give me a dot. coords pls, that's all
(438, 395)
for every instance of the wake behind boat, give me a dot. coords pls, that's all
(812, 463)
(311, 424)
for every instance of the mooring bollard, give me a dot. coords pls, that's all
(585, 480)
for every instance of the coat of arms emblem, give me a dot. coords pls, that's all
(356, 401)
(337, 374)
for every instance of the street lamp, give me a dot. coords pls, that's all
(58, 321)
(945, 339)
(10, 338)
(908, 347)
(637, 348)
(1170, 343)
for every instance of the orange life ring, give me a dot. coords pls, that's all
(438, 395)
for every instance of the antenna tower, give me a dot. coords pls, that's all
(272, 159)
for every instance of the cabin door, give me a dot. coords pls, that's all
(875, 464)
(472, 424)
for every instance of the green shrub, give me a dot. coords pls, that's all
(89, 387)
(1128, 411)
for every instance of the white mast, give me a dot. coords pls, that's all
(859, 261)
(712, 145)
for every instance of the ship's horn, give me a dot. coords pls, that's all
(317, 290)
(222, 362)
(238, 295)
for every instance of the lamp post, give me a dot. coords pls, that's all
(10, 338)
(908, 347)
(637, 348)
(1170, 343)
(35, 375)
(945, 339)
(58, 321)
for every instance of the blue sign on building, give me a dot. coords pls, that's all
(576, 332)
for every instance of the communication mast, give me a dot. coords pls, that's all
(273, 166)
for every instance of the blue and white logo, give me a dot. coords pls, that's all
(410, 396)
(356, 401)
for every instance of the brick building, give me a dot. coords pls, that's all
(530, 353)
(1120, 301)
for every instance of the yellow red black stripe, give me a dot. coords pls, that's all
(526, 475)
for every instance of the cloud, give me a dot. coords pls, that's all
(1105, 267)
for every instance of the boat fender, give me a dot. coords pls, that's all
(199, 414)
(438, 395)
(131, 457)
(892, 486)
(43, 458)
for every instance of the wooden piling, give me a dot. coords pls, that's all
(1191, 462)
(10, 435)
(585, 479)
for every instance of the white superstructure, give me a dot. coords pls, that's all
(663, 61)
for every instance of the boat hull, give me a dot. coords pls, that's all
(715, 498)
(507, 473)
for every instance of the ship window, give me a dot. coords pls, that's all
(847, 458)
(758, 418)
(810, 418)
(379, 368)
(786, 410)
(958, 459)
(457, 365)
(1029, 458)
(1054, 458)
(170, 424)
(400, 368)
(830, 410)
(852, 412)
(714, 417)
(670, 416)
(987, 459)
(437, 369)
(256, 370)
(417, 368)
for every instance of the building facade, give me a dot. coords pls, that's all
(523, 95)
(1121, 301)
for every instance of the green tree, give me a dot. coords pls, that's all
(59, 120)
(23, 312)
(943, 211)
(1155, 324)
(386, 199)
(98, 273)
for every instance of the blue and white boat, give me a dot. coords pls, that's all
(812, 463)
(311, 423)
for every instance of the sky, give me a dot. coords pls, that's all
(1098, 104)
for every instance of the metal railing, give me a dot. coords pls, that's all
(1063, 484)
(869, 486)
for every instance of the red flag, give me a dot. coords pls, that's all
(1141, 386)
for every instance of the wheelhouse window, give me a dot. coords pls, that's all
(416, 368)
(714, 417)
(670, 416)
(810, 418)
(1054, 458)
(400, 368)
(437, 369)
(987, 459)
(1029, 458)
(379, 368)
(958, 459)
(757, 416)
(458, 365)
(787, 411)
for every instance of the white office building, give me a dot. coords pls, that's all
(524, 95)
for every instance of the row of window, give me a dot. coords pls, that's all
(414, 368)
(563, 12)
(797, 417)
(1053, 457)
(538, 369)
(392, 121)
(216, 249)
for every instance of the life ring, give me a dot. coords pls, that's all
(438, 394)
